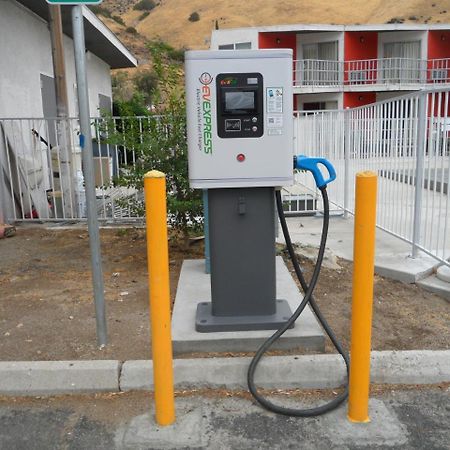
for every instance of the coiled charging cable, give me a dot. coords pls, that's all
(308, 298)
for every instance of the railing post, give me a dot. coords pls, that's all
(420, 157)
(3, 209)
(159, 293)
(347, 147)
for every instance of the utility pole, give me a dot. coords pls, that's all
(88, 169)
(62, 110)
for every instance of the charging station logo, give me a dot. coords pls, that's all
(206, 79)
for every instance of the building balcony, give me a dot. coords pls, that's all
(312, 75)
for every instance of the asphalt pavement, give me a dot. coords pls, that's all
(412, 418)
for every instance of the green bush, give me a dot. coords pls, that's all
(131, 30)
(160, 142)
(144, 5)
(194, 17)
(174, 54)
(100, 11)
(118, 19)
(143, 15)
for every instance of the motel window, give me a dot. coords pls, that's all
(320, 63)
(237, 46)
(402, 62)
(243, 46)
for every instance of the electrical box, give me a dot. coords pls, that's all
(239, 118)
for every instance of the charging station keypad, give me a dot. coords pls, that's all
(240, 105)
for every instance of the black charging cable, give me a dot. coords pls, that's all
(308, 298)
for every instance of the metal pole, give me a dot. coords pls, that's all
(62, 111)
(86, 145)
(159, 293)
(346, 161)
(362, 295)
(420, 156)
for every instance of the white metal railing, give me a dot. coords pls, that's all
(382, 71)
(41, 169)
(312, 72)
(406, 141)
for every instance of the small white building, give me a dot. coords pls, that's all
(40, 166)
(26, 75)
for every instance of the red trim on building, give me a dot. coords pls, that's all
(438, 48)
(279, 40)
(360, 46)
(438, 44)
(355, 99)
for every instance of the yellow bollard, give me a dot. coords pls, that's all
(158, 276)
(362, 296)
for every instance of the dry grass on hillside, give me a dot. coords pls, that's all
(170, 19)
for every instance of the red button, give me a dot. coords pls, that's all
(240, 157)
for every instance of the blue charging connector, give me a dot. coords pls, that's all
(302, 162)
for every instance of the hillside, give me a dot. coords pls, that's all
(170, 18)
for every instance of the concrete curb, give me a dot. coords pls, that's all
(58, 377)
(283, 372)
(305, 371)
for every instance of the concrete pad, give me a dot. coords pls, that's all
(188, 431)
(443, 273)
(194, 287)
(58, 377)
(293, 372)
(238, 423)
(392, 255)
(402, 267)
(384, 427)
(436, 286)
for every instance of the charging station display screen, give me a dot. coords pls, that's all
(240, 105)
(236, 101)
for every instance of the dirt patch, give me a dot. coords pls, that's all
(405, 317)
(46, 300)
(47, 311)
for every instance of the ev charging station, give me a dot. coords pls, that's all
(240, 141)
(240, 148)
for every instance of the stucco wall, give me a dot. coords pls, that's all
(233, 36)
(25, 53)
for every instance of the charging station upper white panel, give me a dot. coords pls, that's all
(239, 118)
(238, 54)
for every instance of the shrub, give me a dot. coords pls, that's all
(131, 30)
(146, 81)
(144, 5)
(118, 19)
(194, 17)
(175, 55)
(160, 142)
(100, 11)
(143, 15)
(396, 20)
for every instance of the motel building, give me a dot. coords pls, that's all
(347, 66)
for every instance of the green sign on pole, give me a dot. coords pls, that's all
(74, 2)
